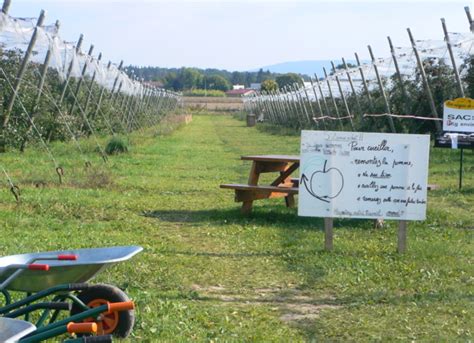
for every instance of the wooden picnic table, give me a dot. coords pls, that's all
(282, 186)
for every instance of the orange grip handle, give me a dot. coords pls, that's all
(35, 266)
(66, 257)
(122, 306)
(82, 327)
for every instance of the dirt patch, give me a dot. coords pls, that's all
(306, 312)
(294, 304)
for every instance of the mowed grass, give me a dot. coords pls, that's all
(209, 274)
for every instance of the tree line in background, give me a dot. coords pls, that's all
(180, 79)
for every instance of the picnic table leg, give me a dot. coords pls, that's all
(253, 181)
(290, 198)
(290, 201)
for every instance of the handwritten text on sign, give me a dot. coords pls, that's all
(363, 175)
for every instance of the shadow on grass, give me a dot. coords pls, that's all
(222, 254)
(269, 215)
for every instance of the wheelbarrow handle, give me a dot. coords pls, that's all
(82, 327)
(67, 257)
(121, 306)
(19, 269)
(37, 266)
(30, 266)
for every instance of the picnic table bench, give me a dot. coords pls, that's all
(282, 186)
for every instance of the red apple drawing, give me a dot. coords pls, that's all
(324, 184)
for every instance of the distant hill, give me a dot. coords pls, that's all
(303, 67)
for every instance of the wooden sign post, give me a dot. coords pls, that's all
(328, 233)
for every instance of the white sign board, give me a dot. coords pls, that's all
(458, 115)
(363, 175)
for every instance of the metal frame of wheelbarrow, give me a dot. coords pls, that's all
(30, 333)
(68, 325)
(63, 291)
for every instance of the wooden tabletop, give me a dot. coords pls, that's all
(272, 158)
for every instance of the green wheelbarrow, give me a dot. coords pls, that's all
(56, 282)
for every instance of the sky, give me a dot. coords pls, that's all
(243, 35)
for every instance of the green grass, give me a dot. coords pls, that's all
(209, 274)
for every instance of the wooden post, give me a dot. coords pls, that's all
(116, 80)
(399, 75)
(279, 109)
(332, 98)
(69, 71)
(425, 81)
(342, 95)
(402, 236)
(79, 82)
(21, 71)
(318, 103)
(292, 105)
(301, 102)
(34, 107)
(313, 112)
(323, 98)
(91, 85)
(284, 105)
(328, 234)
(6, 6)
(382, 90)
(354, 93)
(101, 94)
(364, 81)
(469, 18)
(451, 55)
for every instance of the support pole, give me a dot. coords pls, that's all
(116, 80)
(451, 55)
(354, 93)
(69, 71)
(91, 85)
(402, 236)
(425, 81)
(79, 82)
(399, 75)
(382, 90)
(301, 101)
(332, 98)
(343, 96)
(469, 18)
(101, 95)
(460, 168)
(364, 81)
(323, 98)
(6, 6)
(34, 107)
(313, 112)
(328, 234)
(21, 71)
(318, 103)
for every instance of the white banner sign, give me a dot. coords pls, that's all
(363, 175)
(458, 115)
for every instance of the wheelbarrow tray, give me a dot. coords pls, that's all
(89, 262)
(11, 330)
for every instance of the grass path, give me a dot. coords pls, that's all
(207, 273)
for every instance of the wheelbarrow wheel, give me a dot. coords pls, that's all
(119, 324)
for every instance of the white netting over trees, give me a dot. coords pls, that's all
(52, 90)
(350, 93)
(16, 33)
